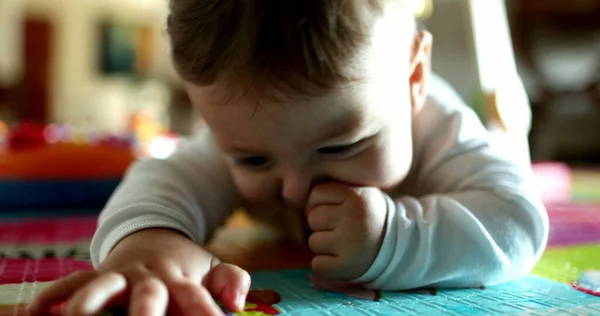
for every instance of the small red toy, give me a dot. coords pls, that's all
(26, 136)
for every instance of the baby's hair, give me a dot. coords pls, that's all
(290, 46)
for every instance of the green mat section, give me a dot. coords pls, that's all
(565, 264)
(586, 185)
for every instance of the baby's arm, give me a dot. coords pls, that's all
(190, 192)
(145, 251)
(472, 217)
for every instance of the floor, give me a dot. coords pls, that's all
(36, 251)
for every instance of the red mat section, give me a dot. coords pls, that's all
(14, 271)
(47, 231)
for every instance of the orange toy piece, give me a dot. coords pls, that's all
(65, 162)
(260, 303)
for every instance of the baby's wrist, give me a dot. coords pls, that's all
(385, 249)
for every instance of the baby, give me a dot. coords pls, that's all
(322, 119)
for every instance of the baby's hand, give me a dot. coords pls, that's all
(348, 226)
(151, 271)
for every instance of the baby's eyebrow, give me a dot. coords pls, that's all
(240, 150)
(237, 149)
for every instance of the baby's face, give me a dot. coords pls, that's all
(359, 135)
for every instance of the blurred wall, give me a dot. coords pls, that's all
(452, 55)
(11, 12)
(79, 92)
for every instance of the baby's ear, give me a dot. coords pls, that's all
(420, 68)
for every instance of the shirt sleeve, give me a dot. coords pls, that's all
(466, 216)
(191, 191)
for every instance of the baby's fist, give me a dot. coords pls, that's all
(347, 226)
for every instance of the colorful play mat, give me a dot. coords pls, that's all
(37, 251)
(574, 243)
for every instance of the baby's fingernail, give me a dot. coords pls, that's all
(240, 300)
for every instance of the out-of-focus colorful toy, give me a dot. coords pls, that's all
(62, 166)
(152, 138)
(52, 152)
(554, 181)
(258, 303)
(589, 282)
(46, 166)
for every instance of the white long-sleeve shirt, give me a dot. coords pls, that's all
(466, 215)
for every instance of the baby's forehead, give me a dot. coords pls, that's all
(242, 95)
(317, 110)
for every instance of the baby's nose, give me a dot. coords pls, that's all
(295, 188)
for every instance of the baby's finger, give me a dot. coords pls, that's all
(328, 193)
(327, 266)
(193, 299)
(60, 291)
(323, 243)
(230, 284)
(323, 218)
(149, 297)
(95, 295)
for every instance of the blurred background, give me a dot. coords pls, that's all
(90, 74)
(87, 88)
(94, 64)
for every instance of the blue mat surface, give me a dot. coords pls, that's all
(529, 296)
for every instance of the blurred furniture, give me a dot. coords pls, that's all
(29, 96)
(558, 45)
(506, 109)
(473, 52)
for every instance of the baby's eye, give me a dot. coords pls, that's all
(336, 150)
(342, 151)
(254, 162)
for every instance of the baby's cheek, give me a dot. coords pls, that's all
(374, 168)
(395, 168)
